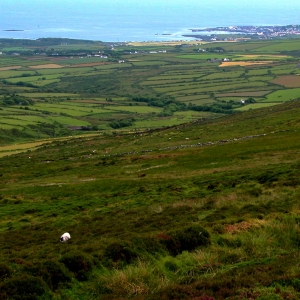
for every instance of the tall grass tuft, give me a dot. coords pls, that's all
(138, 279)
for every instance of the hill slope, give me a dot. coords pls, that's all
(206, 209)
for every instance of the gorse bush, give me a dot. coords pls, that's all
(185, 239)
(25, 288)
(78, 263)
(171, 265)
(229, 242)
(57, 274)
(5, 271)
(119, 252)
(52, 272)
(146, 245)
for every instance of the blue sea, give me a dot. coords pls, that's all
(133, 20)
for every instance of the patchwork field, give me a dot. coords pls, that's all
(245, 63)
(245, 94)
(283, 95)
(262, 57)
(289, 81)
(67, 92)
(10, 68)
(47, 66)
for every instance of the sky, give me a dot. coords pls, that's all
(67, 5)
(257, 3)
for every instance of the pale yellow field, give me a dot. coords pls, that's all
(261, 55)
(10, 68)
(244, 63)
(18, 148)
(47, 66)
(14, 149)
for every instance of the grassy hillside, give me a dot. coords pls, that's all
(204, 210)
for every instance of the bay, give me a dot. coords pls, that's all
(118, 21)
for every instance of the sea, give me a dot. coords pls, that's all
(136, 20)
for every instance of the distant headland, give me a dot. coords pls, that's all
(13, 30)
(260, 32)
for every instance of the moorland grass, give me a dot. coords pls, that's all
(203, 210)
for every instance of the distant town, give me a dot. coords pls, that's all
(245, 32)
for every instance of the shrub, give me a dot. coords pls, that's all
(57, 274)
(25, 288)
(52, 272)
(293, 282)
(186, 239)
(171, 265)
(218, 228)
(5, 271)
(119, 252)
(78, 263)
(229, 257)
(232, 243)
(147, 245)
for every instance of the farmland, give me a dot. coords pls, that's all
(70, 88)
(104, 83)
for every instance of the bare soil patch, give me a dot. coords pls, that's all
(288, 81)
(238, 227)
(47, 66)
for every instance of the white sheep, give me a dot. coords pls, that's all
(65, 237)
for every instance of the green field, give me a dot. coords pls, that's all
(283, 95)
(85, 60)
(69, 121)
(206, 56)
(66, 109)
(84, 93)
(47, 95)
(136, 109)
(255, 105)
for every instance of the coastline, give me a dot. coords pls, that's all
(13, 30)
(218, 33)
